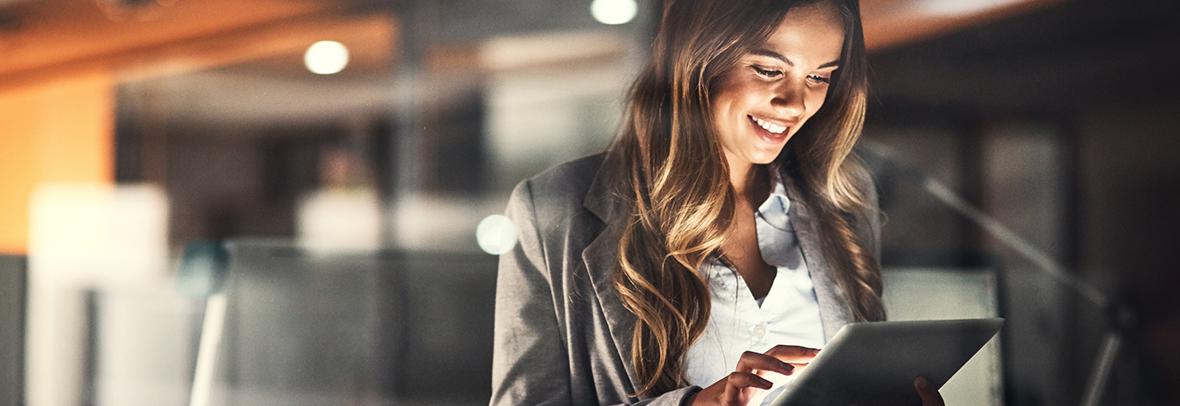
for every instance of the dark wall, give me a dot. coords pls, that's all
(1062, 124)
(12, 318)
(1129, 194)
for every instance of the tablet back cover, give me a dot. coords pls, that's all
(878, 361)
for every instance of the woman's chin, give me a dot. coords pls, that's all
(764, 157)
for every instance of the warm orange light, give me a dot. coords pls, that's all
(53, 131)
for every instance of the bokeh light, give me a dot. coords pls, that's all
(614, 12)
(326, 57)
(496, 234)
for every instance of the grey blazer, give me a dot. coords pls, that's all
(562, 336)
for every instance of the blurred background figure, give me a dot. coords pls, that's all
(345, 151)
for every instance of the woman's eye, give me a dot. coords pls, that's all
(767, 73)
(817, 79)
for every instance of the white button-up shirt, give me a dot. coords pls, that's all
(738, 322)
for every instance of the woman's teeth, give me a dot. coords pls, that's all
(770, 127)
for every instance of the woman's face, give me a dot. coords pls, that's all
(764, 100)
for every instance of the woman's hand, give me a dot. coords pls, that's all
(929, 395)
(737, 387)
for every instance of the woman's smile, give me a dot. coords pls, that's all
(770, 130)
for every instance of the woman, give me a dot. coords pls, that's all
(718, 241)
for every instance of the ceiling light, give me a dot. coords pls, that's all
(614, 12)
(326, 57)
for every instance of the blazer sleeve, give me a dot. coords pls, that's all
(530, 355)
(529, 359)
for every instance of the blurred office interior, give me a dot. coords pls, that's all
(277, 201)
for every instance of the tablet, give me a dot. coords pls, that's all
(875, 362)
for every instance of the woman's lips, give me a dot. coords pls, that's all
(766, 134)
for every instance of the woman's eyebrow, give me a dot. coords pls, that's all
(771, 54)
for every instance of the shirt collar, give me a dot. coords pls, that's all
(775, 210)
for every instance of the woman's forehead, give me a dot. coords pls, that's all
(812, 34)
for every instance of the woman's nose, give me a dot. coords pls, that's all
(788, 99)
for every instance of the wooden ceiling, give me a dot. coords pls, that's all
(47, 37)
(42, 35)
(892, 23)
(263, 39)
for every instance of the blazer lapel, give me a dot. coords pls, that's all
(601, 260)
(833, 312)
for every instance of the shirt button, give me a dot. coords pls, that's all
(759, 330)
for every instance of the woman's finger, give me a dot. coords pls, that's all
(742, 380)
(929, 395)
(751, 361)
(737, 382)
(793, 354)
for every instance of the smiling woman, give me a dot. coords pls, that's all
(733, 165)
(775, 89)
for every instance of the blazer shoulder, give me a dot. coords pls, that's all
(564, 186)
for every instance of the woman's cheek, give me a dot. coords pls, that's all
(816, 103)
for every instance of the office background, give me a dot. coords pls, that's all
(322, 168)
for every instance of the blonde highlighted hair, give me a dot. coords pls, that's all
(677, 183)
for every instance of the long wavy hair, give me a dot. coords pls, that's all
(675, 177)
